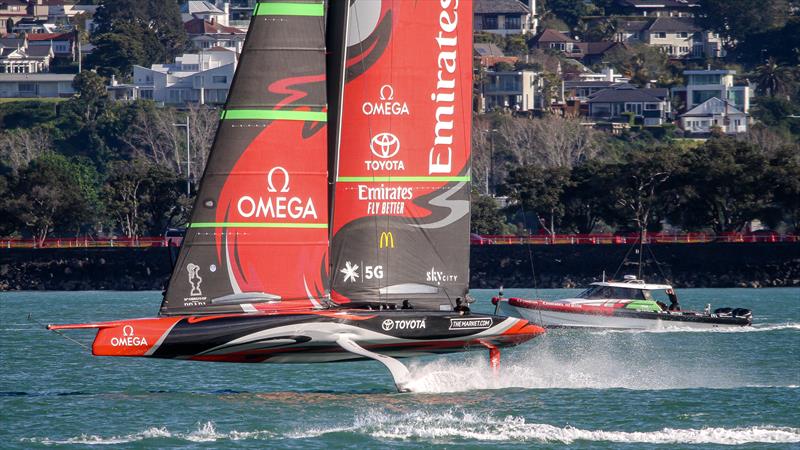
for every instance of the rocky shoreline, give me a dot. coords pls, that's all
(714, 265)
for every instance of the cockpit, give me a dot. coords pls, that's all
(615, 293)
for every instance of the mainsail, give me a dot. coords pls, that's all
(401, 210)
(259, 228)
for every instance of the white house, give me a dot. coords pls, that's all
(36, 85)
(505, 16)
(714, 113)
(203, 78)
(706, 84)
(516, 91)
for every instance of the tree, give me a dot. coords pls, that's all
(586, 197)
(54, 193)
(640, 63)
(570, 11)
(638, 185)
(486, 216)
(136, 32)
(774, 79)
(723, 187)
(783, 178)
(539, 190)
(19, 146)
(739, 19)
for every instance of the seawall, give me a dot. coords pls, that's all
(555, 266)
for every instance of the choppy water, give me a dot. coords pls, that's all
(582, 389)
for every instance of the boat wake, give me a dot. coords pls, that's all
(455, 426)
(559, 363)
(205, 432)
(677, 329)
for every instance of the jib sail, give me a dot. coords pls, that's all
(401, 209)
(259, 229)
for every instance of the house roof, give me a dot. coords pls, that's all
(632, 26)
(659, 3)
(49, 36)
(597, 48)
(580, 83)
(500, 7)
(550, 35)
(200, 7)
(200, 26)
(15, 77)
(12, 42)
(712, 106)
(486, 49)
(668, 24)
(39, 51)
(623, 94)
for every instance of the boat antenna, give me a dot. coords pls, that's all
(529, 247)
(641, 250)
(624, 260)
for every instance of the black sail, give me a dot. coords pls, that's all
(259, 229)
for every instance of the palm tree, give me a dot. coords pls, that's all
(773, 78)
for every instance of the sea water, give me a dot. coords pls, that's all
(602, 389)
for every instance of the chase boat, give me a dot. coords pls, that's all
(629, 304)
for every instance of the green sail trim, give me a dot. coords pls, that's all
(256, 225)
(274, 114)
(423, 179)
(290, 9)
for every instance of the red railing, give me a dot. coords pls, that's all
(650, 238)
(86, 242)
(559, 239)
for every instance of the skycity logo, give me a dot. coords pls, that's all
(387, 106)
(277, 206)
(439, 277)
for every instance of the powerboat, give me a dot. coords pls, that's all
(627, 304)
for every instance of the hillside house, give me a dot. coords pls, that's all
(505, 17)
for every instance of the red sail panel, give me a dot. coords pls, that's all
(259, 228)
(401, 214)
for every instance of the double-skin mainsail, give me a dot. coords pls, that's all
(398, 184)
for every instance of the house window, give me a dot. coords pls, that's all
(651, 106)
(489, 22)
(221, 79)
(146, 94)
(27, 88)
(683, 34)
(684, 50)
(513, 23)
(661, 35)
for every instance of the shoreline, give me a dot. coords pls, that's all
(712, 265)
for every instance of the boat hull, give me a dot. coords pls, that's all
(306, 337)
(559, 315)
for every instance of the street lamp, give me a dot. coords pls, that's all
(490, 169)
(188, 156)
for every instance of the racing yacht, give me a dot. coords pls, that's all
(627, 304)
(332, 220)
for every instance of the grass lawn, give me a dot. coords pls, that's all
(42, 100)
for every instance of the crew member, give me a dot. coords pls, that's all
(460, 307)
(406, 305)
(673, 301)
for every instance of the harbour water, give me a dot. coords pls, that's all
(604, 389)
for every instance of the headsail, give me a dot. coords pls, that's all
(401, 211)
(259, 228)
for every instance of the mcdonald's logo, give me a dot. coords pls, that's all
(387, 239)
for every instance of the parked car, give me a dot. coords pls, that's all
(173, 237)
(477, 239)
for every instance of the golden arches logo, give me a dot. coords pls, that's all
(387, 240)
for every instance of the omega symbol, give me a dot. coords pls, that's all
(271, 183)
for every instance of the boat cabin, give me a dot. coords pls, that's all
(641, 295)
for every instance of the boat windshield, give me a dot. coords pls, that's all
(620, 293)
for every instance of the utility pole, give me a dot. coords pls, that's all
(188, 156)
